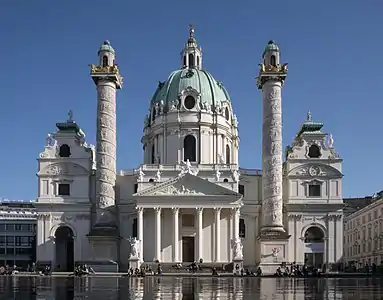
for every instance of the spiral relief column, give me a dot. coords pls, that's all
(270, 81)
(108, 79)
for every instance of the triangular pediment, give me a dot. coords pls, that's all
(315, 170)
(187, 185)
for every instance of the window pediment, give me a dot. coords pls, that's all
(315, 170)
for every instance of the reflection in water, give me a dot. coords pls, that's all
(28, 288)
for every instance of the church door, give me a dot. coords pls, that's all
(64, 242)
(188, 249)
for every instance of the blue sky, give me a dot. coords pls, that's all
(332, 47)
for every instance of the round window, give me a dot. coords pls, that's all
(189, 102)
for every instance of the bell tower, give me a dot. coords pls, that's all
(107, 78)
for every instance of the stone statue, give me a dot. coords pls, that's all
(134, 247)
(146, 121)
(158, 176)
(140, 174)
(221, 159)
(70, 116)
(217, 175)
(237, 248)
(50, 141)
(187, 168)
(236, 175)
(330, 141)
(262, 67)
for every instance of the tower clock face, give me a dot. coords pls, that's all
(314, 171)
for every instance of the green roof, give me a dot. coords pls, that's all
(271, 46)
(106, 46)
(310, 126)
(211, 91)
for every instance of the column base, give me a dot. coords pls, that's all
(103, 243)
(273, 250)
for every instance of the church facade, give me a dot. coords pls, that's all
(189, 200)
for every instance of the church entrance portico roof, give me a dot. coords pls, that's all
(187, 191)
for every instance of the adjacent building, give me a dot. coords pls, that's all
(363, 233)
(190, 199)
(17, 233)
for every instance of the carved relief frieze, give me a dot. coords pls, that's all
(172, 190)
(43, 216)
(295, 217)
(64, 169)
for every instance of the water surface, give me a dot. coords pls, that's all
(47, 288)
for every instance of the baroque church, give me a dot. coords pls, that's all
(189, 200)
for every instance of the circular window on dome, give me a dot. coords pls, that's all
(189, 102)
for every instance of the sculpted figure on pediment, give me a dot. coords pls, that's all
(172, 190)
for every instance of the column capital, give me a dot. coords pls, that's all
(199, 209)
(235, 210)
(175, 210)
(139, 209)
(217, 209)
(157, 209)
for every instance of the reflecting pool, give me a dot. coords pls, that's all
(103, 288)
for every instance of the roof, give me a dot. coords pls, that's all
(106, 47)
(210, 90)
(271, 46)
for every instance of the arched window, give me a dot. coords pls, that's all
(190, 152)
(314, 235)
(104, 61)
(314, 151)
(228, 155)
(226, 180)
(197, 61)
(134, 228)
(64, 151)
(184, 60)
(189, 102)
(151, 180)
(153, 114)
(191, 60)
(227, 114)
(153, 156)
(273, 60)
(242, 228)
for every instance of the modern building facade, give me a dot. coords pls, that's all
(363, 235)
(189, 199)
(17, 233)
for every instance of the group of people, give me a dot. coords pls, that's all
(296, 271)
(82, 270)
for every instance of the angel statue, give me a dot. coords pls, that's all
(135, 247)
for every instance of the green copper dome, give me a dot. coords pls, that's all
(212, 92)
(271, 46)
(106, 46)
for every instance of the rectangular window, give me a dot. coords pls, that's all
(2, 240)
(241, 189)
(2, 227)
(64, 189)
(10, 227)
(135, 228)
(135, 188)
(10, 240)
(314, 190)
(2, 250)
(242, 228)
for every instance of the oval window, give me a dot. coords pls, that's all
(189, 102)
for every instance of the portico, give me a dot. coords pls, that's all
(189, 225)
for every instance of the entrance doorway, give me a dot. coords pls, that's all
(188, 249)
(64, 241)
(314, 245)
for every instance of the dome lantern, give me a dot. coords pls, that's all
(191, 55)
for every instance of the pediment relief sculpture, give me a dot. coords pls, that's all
(315, 170)
(174, 190)
(64, 169)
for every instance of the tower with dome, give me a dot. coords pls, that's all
(189, 200)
